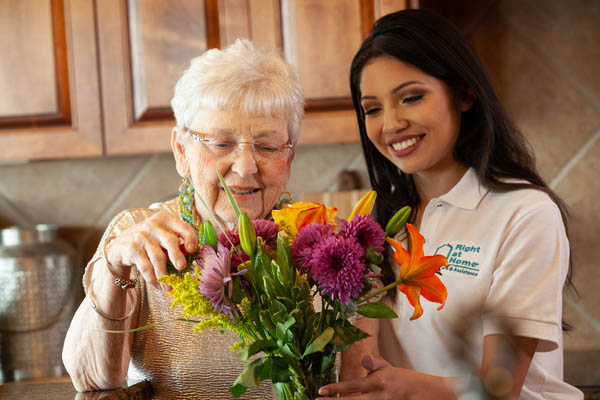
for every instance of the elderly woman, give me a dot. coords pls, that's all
(238, 111)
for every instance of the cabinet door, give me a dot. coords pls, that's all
(49, 94)
(145, 45)
(321, 38)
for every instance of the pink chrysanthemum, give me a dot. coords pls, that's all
(216, 277)
(365, 231)
(267, 230)
(306, 239)
(337, 268)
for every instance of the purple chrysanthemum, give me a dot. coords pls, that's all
(306, 239)
(267, 230)
(337, 268)
(216, 275)
(365, 231)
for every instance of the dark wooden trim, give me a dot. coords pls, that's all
(367, 17)
(63, 95)
(328, 104)
(213, 30)
(61, 60)
(156, 114)
(31, 121)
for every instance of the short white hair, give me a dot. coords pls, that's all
(240, 77)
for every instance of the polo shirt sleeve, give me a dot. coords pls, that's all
(525, 296)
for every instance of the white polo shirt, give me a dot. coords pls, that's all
(508, 257)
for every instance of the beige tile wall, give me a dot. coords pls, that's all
(544, 59)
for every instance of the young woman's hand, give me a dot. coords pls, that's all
(383, 381)
(149, 244)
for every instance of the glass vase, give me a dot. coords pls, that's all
(305, 386)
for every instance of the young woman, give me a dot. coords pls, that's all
(435, 137)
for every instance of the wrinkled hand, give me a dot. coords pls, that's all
(146, 246)
(382, 382)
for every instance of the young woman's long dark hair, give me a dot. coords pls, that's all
(488, 141)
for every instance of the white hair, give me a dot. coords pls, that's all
(240, 77)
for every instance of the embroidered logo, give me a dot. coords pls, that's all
(462, 258)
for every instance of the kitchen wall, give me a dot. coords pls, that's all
(543, 57)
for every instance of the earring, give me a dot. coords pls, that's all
(186, 199)
(284, 199)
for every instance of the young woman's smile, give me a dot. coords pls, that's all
(410, 117)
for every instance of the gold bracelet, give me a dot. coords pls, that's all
(123, 283)
(102, 313)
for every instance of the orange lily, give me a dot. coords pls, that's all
(295, 216)
(418, 272)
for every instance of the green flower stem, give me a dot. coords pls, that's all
(383, 289)
(143, 328)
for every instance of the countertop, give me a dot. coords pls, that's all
(62, 389)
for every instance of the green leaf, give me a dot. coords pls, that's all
(276, 369)
(346, 335)
(309, 328)
(283, 328)
(285, 349)
(237, 390)
(326, 361)
(281, 281)
(283, 391)
(305, 292)
(269, 287)
(288, 303)
(284, 257)
(376, 310)
(277, 306)
(320, 342)
(279, 317)
(265, 320)
(237, 293)
(229, 195)
(259, 345)
(298, 314)
(250, 377)
(300, 396)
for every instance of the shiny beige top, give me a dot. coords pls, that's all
(178, 363)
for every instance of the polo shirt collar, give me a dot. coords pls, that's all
(467, 193)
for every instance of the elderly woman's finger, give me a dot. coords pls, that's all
(157, 257)
(170, 243)
(145, 268)
(185, 231)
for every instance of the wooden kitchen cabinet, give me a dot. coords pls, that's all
(49, 92)
(101, 80)
(146, 44)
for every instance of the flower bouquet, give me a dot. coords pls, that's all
(288, 289)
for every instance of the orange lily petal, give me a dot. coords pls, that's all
(401, 256)
(432, 289)
(417, 272)
(412, 294)
(303, 213)
(416, 242)
(428, 266)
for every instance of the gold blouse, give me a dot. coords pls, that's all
(178, 363)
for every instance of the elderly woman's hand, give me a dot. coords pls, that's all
(148, 244)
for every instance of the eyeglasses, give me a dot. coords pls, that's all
(222, 147)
